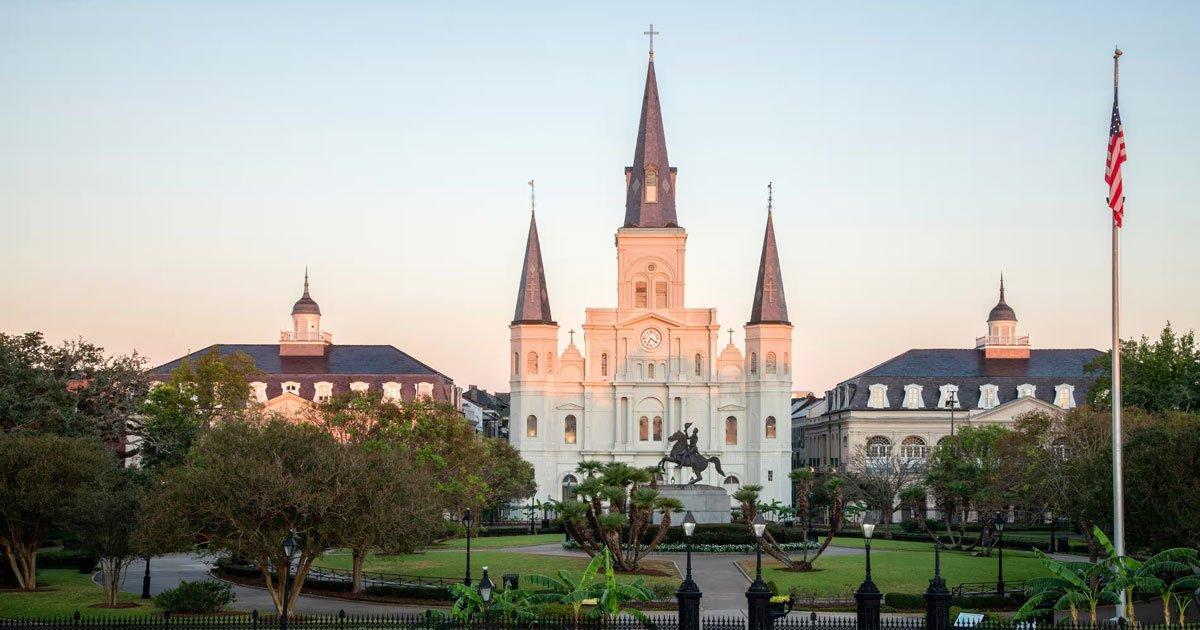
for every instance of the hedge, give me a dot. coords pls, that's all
(67, 559)
(406, 591)
(207, 596)
(916, 601)
(725, 534)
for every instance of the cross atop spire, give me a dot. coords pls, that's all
(651, 33)
(770, 305)
(650, 182)
(532, 199)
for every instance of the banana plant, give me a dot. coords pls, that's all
(1071, 586)
(1143, 575)
(509, 603)
(606, 595)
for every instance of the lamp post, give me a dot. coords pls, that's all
(146, 580)
(289, 552)
(689, 594)
(937, 596)
(486, 588)
(758, 596)
(467, 521)
(566, 497)
(546, 512)
(999, 554)
(868, 596)
(951, 403)
(531, 529)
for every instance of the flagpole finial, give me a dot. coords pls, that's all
(1117, 52)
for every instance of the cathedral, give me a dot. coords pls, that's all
(653, 371)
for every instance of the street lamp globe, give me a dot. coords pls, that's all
(468, 519)
(760, 525)
(999, 522)
(689, 524)
(486, 587)
(289, 545)
(868, 530)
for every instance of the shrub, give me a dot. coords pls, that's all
(916, 601)
(725, 534)
(438, 593)
(662, 590)
(67, 559)
(206, 596)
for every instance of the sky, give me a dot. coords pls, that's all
(168, 169)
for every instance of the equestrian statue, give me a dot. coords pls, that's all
(686, 453)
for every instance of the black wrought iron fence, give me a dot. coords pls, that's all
(986, 589)
(374, 578)
(428, 621)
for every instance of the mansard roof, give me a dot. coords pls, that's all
(968, 369)
(650, 153)
(338, 359)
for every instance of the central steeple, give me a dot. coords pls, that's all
(650, 182)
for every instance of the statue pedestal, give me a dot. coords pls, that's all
(709, 504)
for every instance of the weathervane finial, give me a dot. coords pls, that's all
(532, 199)
(770, 197)
(651, 33)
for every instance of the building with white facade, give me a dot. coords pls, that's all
(906, 404)
(652, 366)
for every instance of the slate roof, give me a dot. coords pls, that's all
(770, 305)
(480, 397)
(968, 369)
(339, 359)
(650, 151)
(533, 298)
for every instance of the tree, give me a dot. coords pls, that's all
(1155, 375)
(878, 480)
(617, 505)
(505, 474)
(386, 505)
(965, 475)
(806, 480)
(105, 520)
(247, 485)
(42, 478)
(1162, 472)
(73, 389)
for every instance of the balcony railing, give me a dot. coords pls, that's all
(318, 336)
(1001, 340)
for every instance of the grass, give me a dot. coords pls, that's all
(495, 542)
(64, 591)
(451, 563)
(898, 570)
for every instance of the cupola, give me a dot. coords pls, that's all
(1001, 340)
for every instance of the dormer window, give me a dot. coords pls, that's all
(324, 391)
(948, 393)
(1026, 391)
(651, 185)
(291, 387)
(1064, 396)
(912, 397)
(989, 396)
(878, 399)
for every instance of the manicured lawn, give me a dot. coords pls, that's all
(494, 542)
(901, 571)
(880, 544)
(64, 592)
(452, 563)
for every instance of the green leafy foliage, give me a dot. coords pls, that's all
(206, 596)
(1158, 375)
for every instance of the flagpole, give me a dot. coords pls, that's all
(1118, 477)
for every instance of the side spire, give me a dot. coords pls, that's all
(770, 305)
(650, 182)
(533, 300)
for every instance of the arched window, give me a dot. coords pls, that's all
(914, 447)
(731, 430)
(754, 363)
(658, 428)
(878, 399)
(879, 446)
(604, 364)
(568, 487)
(639, 294)
(531, 426)
(532, 363)
(1059, 448)
(644, 429)
(698, 359)
(731, 481)
(569, 430)
(660, 295)
(651, 185)
(770, 427)
(912, 397)
(770, 363)
(787, 364)
(650, 371)
(516, 364)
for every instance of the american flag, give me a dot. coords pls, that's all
(1112, 169)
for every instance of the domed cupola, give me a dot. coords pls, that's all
(306, 337)
(1002, 340)
(1001, 312)
(308, 306)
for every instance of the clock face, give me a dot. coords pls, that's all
(651, 338)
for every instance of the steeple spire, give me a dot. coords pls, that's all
(306, 305)
(650, 182)
(533, 300)
(770, 306)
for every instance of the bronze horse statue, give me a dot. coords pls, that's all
(684, 453)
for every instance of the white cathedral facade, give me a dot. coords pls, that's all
(652, 367)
